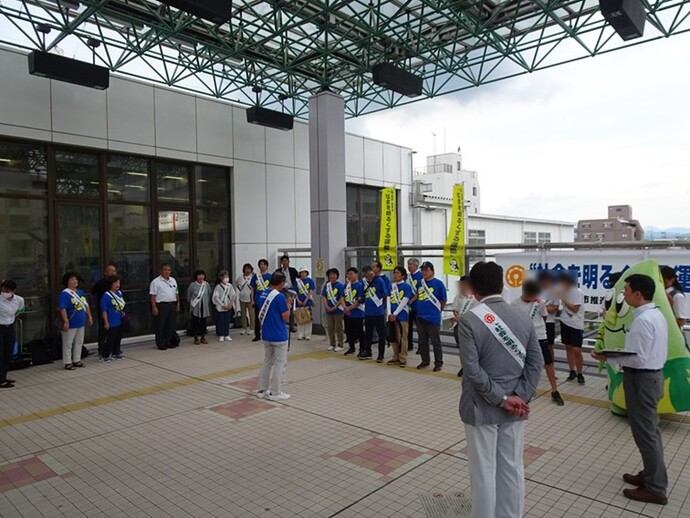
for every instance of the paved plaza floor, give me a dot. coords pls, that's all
(178, 433)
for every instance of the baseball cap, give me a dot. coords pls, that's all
(427, 264)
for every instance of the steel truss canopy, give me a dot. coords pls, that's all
(293, 49)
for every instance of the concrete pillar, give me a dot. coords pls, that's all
(327, 185)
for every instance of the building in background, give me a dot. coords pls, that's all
(619, 226)
(441, 173)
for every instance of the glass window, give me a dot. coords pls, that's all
(128, 178)
(173, 183)
(79, 241)
(23, 168)
(529, 237)
(138, 310)
(370, 202)
(173, 228)
(544, 237)
(352, 231)
(128, 242)
(370, 232)
(212, 242)
(212, 186)
(352, 197)
(77, 174)
(24, 243)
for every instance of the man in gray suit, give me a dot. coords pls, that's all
(501, 362)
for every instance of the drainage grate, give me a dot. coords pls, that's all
(440, 505)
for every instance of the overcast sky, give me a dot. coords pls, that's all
(565, 143)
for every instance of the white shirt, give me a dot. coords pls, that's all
(9, 309)
(242, 283)
(537, 312)
(648, 337)
(463, 304)
(574, 320)
(680, 304)
(288, 279)
(505, 293)
(164, 290)
(550, 300)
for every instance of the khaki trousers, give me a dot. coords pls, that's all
(400, 341)
(335, 329)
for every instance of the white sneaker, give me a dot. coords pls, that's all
(221, 339)
(261, 394)
(228, 339)
(338, 349)
(244, 331)
(331, 348)
(280, 396)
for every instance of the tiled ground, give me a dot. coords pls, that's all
(179, 434)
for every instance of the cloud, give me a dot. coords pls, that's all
(565, 143)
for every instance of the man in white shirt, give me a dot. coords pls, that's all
(165, 302)
(643, 382)
(10, 306)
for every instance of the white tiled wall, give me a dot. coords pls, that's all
(270, 168)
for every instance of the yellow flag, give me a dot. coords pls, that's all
(388, 234)
(454, 249)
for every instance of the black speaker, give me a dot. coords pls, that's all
(627, 17)
(60, 68)
(269, 118)
(396, 79)
(216, 11)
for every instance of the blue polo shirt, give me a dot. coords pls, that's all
(113, 308)
(357, 293)
(274, 328)
(76, 311)
(338, 290)
(375, 287)
(404, 291)
(302, 295)
(261, 289)
(425, 308)
(415, 280)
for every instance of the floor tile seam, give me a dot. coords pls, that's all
(569, 492)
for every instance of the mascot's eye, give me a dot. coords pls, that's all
(622, 307)
(608, 300)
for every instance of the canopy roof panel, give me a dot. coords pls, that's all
(293, 49)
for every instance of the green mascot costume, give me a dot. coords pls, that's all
(612, 336)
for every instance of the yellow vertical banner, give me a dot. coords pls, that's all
(454, 249)
(388, 233)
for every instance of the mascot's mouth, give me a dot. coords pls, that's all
(621, 328)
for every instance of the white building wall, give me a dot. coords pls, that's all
(270, 168)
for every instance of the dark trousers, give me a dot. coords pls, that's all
(643, 390)
(354, 329)
(223, 323)
(165, 324)
(257, 322)
(102, 333)
(377, 323)
(199, 326)
(410, 329)
(113, 341)
(7, 339)
(551, 333)
(428, 331)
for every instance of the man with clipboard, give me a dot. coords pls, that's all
(642, 360)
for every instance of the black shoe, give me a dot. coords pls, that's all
(556, 398)
(6, 384)
(379, 360)
(423, 365)
(634, 480)
(349, 351)
(438, 366)
(571, 376)
(417, 352)
(460, 373)
(163, 348)
(256, 339)
(580, 379)
(8, 380)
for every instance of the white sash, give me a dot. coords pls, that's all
(434, 300)
(533, 309)
(79, 305)
(224, 299)
(372, 295)
(502, 333)
(466, 305)
(120, 302)
(330, 295)
(199, 296)
(260, 282)
(267, 303)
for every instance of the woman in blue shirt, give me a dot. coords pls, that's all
(398, 317)
(113, 311)
(74, 313)
(332, 294)
(305, 299)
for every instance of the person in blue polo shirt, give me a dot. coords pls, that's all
(401, 293)
(260, 287)
(112, 306)
(354, 314)
(414, 279)
(431, 299)
(274, 318)
(374, 313)
(332, 295)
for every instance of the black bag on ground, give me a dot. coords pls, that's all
(39, 350)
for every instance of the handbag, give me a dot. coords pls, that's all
(303, 316)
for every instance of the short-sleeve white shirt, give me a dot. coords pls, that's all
(9, 308)
(574, 320)
(537, 312)
(164, 290)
